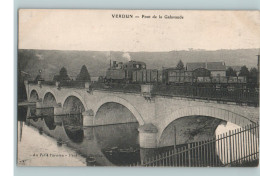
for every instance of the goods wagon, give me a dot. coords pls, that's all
(147, 76)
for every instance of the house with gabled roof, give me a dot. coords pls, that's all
(215, 68)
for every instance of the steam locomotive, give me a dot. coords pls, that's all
(123, 72)
(136, 72)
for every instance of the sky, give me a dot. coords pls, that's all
(97, 30)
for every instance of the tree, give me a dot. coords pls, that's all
(244, 71)
(83, 75)
(231, 72)
(253, 76)
(253, 72)
(63, 75)
(180, 65)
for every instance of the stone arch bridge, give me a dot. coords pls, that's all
(154, 115)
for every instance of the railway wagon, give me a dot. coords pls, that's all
(219, 79)
(237, 79)
(147, 76)
(201, 79)
(174, 76)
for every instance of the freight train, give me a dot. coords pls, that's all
(135, 72)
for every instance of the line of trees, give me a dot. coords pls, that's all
(82, 76)
(243, 72)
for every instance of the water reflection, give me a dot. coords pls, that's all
(49, 118)
(102, 145)
(72, 124)
(49, 121)
(119, 143)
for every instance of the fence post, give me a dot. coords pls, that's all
(189, 155)
(230, 148)
(249, 143)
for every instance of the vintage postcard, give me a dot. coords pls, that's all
(139, 88)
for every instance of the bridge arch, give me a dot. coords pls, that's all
(207, 111)
(74, 94)
(121, 101)
(34, 95)
(49, 98)
(49, 91)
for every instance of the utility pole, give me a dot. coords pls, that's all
(110, 58)
(258, 67)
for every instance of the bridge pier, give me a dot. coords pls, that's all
(38, 112)
(58, 120)
(147, 153)
(89, 133)
(58, 109)
(39, 104)
(148, 136)
(88, 118)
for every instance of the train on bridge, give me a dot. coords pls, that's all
(135, 72)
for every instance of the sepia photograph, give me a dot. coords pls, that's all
(138, 88)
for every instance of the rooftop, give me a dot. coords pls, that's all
(212, 66)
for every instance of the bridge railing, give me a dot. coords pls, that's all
(234, 149)
(51, 83)
(72, 84)
(237, 95)
(117, 87)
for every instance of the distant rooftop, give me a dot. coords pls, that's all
(212, 66)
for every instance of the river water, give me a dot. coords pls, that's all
(47, 140)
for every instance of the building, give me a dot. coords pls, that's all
(215, 68)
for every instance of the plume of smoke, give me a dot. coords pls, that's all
(127, 56)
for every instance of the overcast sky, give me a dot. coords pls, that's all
(98, 31)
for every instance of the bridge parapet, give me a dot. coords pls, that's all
(248, 96)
